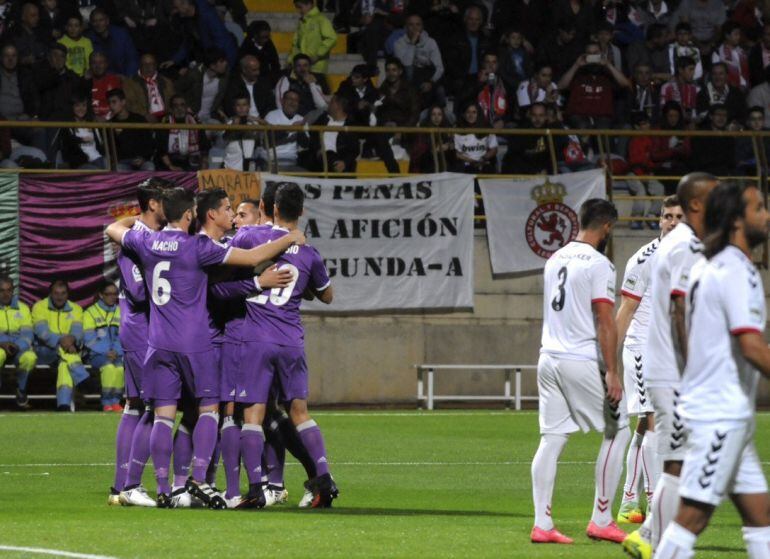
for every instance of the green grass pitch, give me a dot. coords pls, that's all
(413, 484)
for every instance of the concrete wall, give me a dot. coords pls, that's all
(369, 359)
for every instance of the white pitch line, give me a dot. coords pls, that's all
(54, 552)
(291, 464)
(425, 413)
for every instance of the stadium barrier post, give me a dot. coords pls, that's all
(420, 388)
(517, 393)
(507, 389)
(430, 389)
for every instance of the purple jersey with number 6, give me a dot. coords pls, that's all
(174, 264)
(134, 308)
(273, 315)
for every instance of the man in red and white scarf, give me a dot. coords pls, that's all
(733, 55)
(492, 97)
(147, 92)
(182, 150)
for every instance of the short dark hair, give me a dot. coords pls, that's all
(725, 205)
(117, 92)
(212, 56)
(728, 27)
(671, 201)
(207, 200)
(720, 63)
(6, 278)
(268, 197)
(717, 107)
(289, 199)
(683, 62)
(152, 189)
(104, 284)
(239, 97)
(176, 201)
(258, 26)
(655, 30)
(58, 282)
(756, 109)
(596, 212)
(301, 56)
(683, 26)
(688, 188)
(98, 11)
(75, 15)
(251, 201)
(395, 61)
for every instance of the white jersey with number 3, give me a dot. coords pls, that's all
(726, 299)
(575, 277)
(636, 285)
(671, 265)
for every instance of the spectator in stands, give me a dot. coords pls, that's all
(147, 21)
(684, 47)
(656, 13)
(466, 50)
(715, 155)
(315, 36)
(682, 88)
(258, 43)
(643, 95)
(100, 84)
(540, 88)
(718, 91)
(577, 13)
(361, 95)
(421, 157)
(101, 322)
(288, 144)
(641, 163)
(423, 66)
(733, 56)
(400, 104)
(6, 15)
(514, 60)
(243, 149)
(745, 155)
(759, 96)
(312, 88)
(135, 147)
(30, 40)
(759, 57)
(250, 83)
(560, 50)
(672, 153)
(653, 52)
(530, 17)
(591, 83)
(202, 30)
(147, 92)
(114, 42)
(180, 149)
(79, 48)
(56, 84)
(82, 148)
(16, 338)
(530, 154)
(203, 87)
(376, 26)
(19, 100)
(58, 328)
(474, 153)
(339, 149)
(604, 36)
(748, 15)
(488, 91)
(706, 17)
(53, 18)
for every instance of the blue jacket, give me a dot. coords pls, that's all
(212, 33)
(119, 49)
(101, 325)
(16, 325)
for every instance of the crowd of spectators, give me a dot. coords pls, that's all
(484, 64)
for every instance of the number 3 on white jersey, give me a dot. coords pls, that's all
(161, 288)
(277, 297)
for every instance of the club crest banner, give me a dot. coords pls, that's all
(529, 220)
(396, 243)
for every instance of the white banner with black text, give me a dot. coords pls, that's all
(393, 243)
(528, 220)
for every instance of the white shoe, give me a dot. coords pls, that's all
(233, 502)
(181, 499)
(136, 497)
(307, 498)
(275, 496)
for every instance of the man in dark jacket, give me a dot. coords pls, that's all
(759, 57)
(29, 37)
(135, 147)
(258, 43)
(250, 83)
(57, 85)
(204, 86)
(529, 154)
(400, 103)
(203, 30)
(714, 155)
(462, 60)
(341, 147)
(113, 41)
(19, 99)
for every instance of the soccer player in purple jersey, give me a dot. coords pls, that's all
(273, 347)
(180, 353)
(133, 436)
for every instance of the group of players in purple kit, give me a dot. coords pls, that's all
(202, 334)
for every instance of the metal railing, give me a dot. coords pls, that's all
(426, 391)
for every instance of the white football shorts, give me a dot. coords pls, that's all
(637, 398)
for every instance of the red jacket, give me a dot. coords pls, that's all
(640, 155)
(99, 89)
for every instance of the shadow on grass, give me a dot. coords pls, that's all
(372, 511)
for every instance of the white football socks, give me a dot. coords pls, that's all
(666, 505)
(634, 469)
(677, 543)
(609, 467)
(544, 476)
(757, 542)
(650, 463)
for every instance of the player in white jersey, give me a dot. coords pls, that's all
(665, 353)
(577, 375)
(632, 319)
(727, 352)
